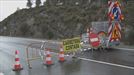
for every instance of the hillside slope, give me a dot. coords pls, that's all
(60, 22)
(128, 11)
(51, 22)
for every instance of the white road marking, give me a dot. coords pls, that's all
(31, 39)
(106, 63)
(127, 49)
(102, 62)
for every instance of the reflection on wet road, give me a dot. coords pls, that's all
(71, 66)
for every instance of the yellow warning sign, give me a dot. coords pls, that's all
(115, 33)
(71, 45)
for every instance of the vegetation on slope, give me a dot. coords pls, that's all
(58, 22)
(51, 22)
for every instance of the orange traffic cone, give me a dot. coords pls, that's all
(17, 65)
(48, 59)
(61, 55)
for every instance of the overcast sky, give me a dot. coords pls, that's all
(8, 7)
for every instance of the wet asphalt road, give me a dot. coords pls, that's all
(105, 62)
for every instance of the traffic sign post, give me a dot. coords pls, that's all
(94, 40)
(114, 14)
(116, 33)
(71, 45)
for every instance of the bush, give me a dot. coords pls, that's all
(130, 38)
(50, 35)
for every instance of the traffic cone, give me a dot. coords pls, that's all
(17, 65)
(48, 59)
(61, 55)
(87, 31)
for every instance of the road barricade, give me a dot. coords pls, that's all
(34, 52)
(39, 50)
(71, 45)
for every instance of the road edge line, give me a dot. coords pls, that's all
(125, 49)
(107, 63)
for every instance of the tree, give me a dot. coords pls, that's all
(29, 4)
(24, 29)
(38, 2)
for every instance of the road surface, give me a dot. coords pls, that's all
(103, 62)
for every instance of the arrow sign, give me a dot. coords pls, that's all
(116, 13)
